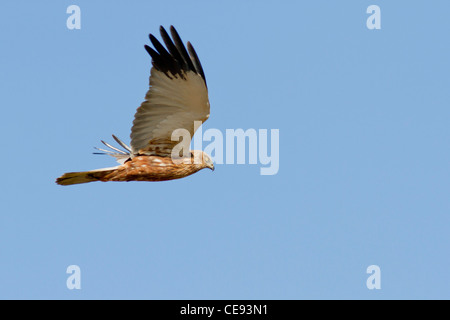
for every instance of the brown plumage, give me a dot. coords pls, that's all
(142, 168)
(178, 97)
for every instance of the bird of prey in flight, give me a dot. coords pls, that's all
(178, 96)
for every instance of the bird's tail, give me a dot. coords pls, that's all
(84, 177)
(99, 174)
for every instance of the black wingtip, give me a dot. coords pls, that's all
(196, 61)
(175, 60)
(150, 51)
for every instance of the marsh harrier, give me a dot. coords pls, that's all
(178, 97)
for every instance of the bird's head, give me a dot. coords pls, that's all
(208, 161)
(204, 159)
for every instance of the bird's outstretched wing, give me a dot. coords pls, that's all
(178, 96)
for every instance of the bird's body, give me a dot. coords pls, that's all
(161, 169)
(141, 168)
(178, 97)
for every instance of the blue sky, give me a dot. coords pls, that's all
(364, 173)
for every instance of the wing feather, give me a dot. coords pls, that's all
(178, 96)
